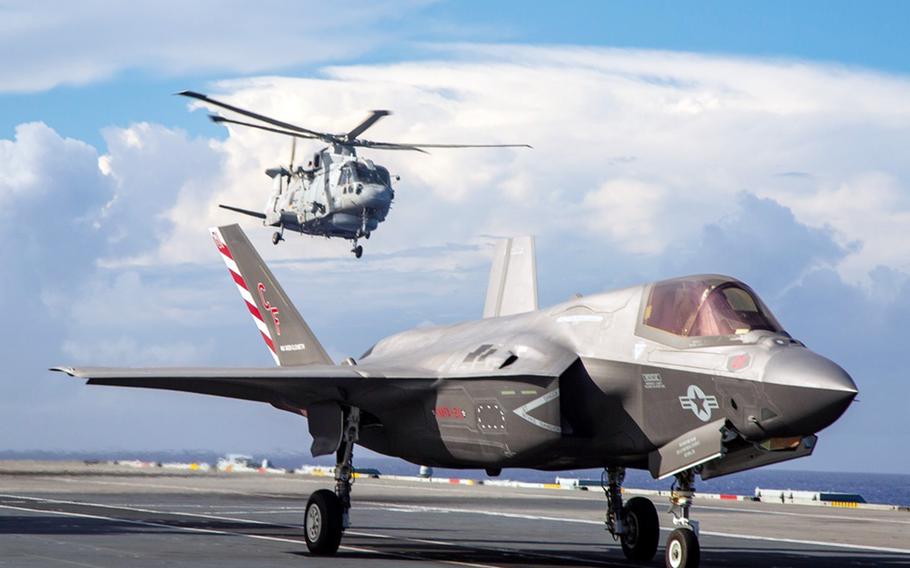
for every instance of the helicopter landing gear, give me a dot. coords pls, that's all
(277, 237)
(683, 550)
(327, 512)
(357, 250)
(635, 524)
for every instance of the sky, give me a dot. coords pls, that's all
(765, 140)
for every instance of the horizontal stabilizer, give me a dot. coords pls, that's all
(513, 279)
(256, 214)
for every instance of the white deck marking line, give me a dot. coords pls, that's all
(528, 493)
(443, 488)
(408, 508)
(810, 542)
(221, 532)
(509, 551)
(63, 561)
(417, 508)
(166, 486)
(808, 515)
(427, 509)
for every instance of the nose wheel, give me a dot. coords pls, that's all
(683, 549)
(357, 250)
(277, 237)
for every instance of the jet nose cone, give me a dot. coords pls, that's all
(798, 366)
(811, 390)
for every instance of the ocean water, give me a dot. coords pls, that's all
(892, 489)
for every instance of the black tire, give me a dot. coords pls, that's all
(276, 238)
(322, 522)
(683, 550)
(358, 251)
(639, 543)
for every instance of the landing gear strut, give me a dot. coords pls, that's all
(683, 550)
(362, 232)
(328, 513)
(635, 524)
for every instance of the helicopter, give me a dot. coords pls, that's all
(338, 193)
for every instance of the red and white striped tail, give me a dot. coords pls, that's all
(290, 340)
(228, 257)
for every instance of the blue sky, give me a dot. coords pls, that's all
(869, 35)
(763, 140)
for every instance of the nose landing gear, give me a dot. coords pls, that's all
(683, 550)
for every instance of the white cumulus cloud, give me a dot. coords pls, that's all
(645, 165)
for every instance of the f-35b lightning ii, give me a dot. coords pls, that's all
(684, 377)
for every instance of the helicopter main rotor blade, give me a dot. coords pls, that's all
(286, 125)
(220, 119)
(385, 146)
(470, 145)
(375, 116)
(419, 147)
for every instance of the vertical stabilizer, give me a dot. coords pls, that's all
(286, 334)
(513, 278)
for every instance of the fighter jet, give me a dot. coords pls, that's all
(683, 377)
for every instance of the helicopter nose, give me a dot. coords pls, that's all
(376, 196)
(811, 392)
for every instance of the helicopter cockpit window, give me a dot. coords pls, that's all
(366, 175)
(706, 307)
(384, 175)
(346, 175)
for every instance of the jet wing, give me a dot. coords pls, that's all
(286, 387)
(318, 392)
(290, 388)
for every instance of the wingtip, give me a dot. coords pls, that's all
(188, 93)
(67, 370)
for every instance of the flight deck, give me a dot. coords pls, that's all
(73, 514)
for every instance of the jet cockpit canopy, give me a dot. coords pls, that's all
(706, 306)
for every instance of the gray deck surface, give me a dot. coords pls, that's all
(69, 514)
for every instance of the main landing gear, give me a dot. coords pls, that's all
(328, 513)
(636, 525)
(362, 232)
(278, 236)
